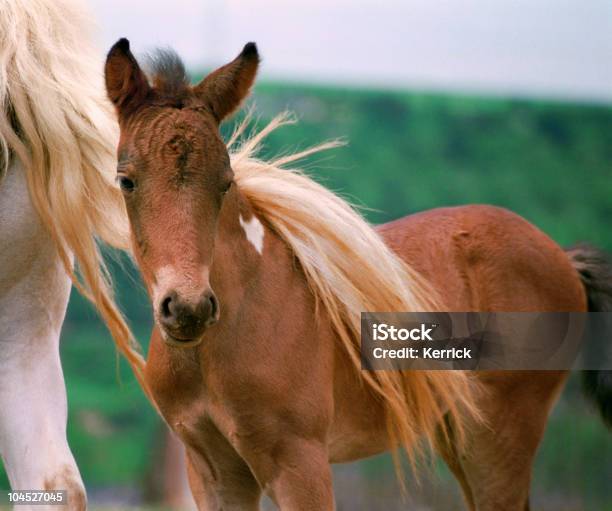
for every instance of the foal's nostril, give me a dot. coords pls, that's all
(166, 307)
(185, 320)
(214, 306)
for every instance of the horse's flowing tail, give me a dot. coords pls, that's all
(595, 271)
(56, 120)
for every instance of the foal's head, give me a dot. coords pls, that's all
(174, 171)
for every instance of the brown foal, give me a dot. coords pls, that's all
(257, 276)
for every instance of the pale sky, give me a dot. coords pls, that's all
(542, 48)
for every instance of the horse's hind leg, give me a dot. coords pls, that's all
(497, 460)
(34, 290)
(33, 408)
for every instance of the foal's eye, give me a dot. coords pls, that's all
(226, 188)
(125, 183)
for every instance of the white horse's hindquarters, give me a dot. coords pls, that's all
(34, 291)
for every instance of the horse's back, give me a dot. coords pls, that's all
(487, 258)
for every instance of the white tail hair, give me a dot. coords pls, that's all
(55, 118)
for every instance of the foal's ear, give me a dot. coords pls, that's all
(126, 84)
(225, 88)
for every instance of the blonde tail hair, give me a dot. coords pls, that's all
(57, 121)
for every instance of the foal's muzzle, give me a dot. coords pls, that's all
(184, 322)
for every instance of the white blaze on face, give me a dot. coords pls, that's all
(188, 285)
(254, 232)
(164, 278)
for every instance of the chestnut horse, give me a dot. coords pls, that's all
(257, 277)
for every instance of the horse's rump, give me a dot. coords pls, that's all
(486, 258)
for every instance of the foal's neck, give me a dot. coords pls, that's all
(253, 271)
(242, 242)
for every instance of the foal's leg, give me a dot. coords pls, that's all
(497, 462)
(447, 449)
(296, 474)
(33, 409)
(234, 490)
(218, 477)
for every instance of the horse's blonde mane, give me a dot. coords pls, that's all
(350, 269)
(55, 118)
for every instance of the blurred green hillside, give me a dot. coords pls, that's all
(550, 162)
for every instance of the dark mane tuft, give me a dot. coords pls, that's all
(167, 72)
